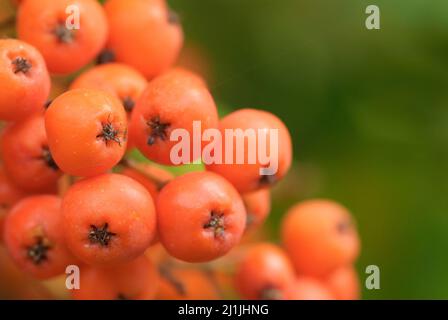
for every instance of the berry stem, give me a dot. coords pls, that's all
(9, 22)
(64, 184)
(165, 272)
(209, 273)
(141, 169)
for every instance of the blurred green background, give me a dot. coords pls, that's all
(367, 109)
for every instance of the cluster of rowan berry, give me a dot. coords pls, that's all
(72, 194)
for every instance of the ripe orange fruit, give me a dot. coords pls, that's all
(320, 237)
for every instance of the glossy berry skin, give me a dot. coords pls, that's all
(307, 288)
(17, 284)
(258, 206)
(186, 284)
(10, 194)
(120, 80)
(26, 156)
(42, 23)
(264, 273)
(108, 219)
(320, 237)
(87, 131)
(344, 283)
(152, 51)
(246, 176)
(34, 237)
(162, 177)
(134, 280)
(25, 82)
(172, 101)
(188, 74)
(200, 217)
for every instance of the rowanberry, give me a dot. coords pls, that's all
(320, 237)
(87, 131)
(34, 236)
(10, 194)
(174, 100)
(201, 217)
(108, 219)
(17, 284)
(344, 283)
(134, 280)
(43, 23)
(258, 206)
(186, 284)
(264, 273)
(27, 158)
(25, 82)
(120, 80)
(246, 175)
(153, 178)
(188, 75)
(144, 34)
(307, 288)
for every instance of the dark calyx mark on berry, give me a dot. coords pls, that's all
(128, 104)
(48, 103)
(101, 235)
(161, 184)
(173, 17)
(48, 158)
(344, 226)
(105, 56)
(271, 293)
(165, 272)
(216, 224)
(157, 130)
(109, 133)
(63, 34)
(38, 251)
(121, 296)
(250, 219)
(267, 180)
(21, 65)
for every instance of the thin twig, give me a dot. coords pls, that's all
(140, 168)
